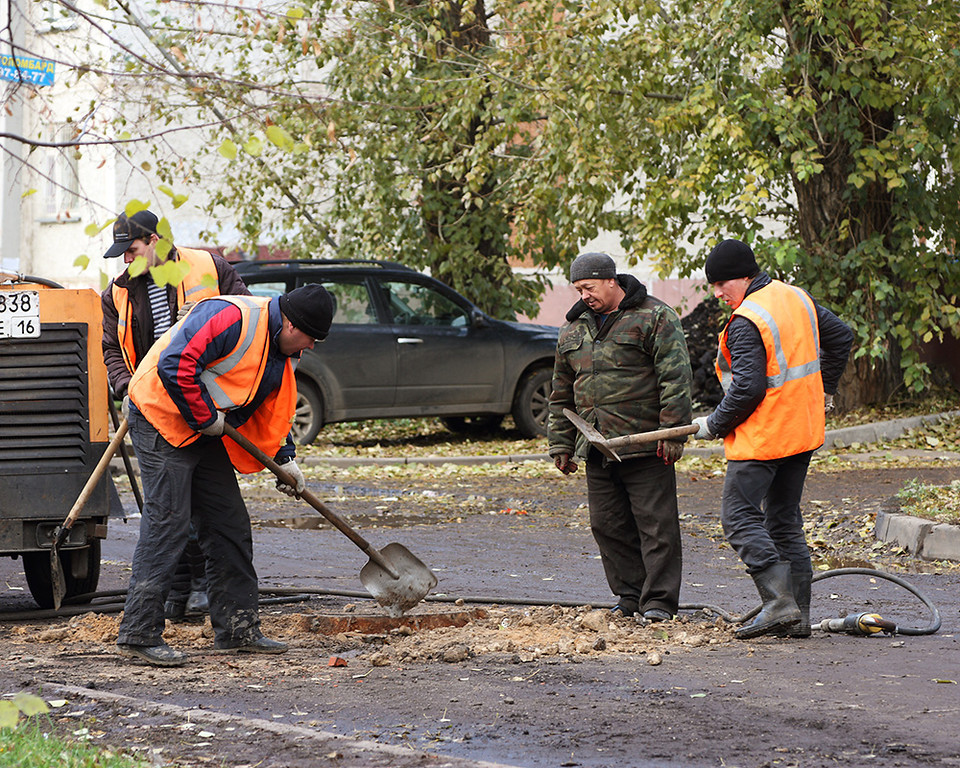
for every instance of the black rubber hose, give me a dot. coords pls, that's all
(21, 278)
(294, 594)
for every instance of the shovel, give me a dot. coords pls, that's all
(609, 447)
(58, 581)
(395, 577)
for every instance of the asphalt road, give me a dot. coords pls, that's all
(825, 701)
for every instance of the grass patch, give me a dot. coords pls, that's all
(939, 503)
(34, 745)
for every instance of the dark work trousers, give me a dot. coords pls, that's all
(635, 522)
(199, 478)
(760, 512)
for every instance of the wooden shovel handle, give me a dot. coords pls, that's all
(95, 476)
(649, 437)
(338, 522)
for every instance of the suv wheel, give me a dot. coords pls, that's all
(531, 403)
(308, 417)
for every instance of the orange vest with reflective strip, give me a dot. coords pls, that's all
(195, 286)
(231, 381)
(790, 418)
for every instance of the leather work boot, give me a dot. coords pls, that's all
(261, 644)
(779, 606)
(801, 593)
(197, 604)
(156, 655)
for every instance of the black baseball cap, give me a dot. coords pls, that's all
(126, 229)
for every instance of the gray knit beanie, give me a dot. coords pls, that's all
(592, 266)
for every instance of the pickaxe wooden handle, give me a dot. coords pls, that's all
(609, 447)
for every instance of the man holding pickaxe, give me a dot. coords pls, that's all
(622, 365)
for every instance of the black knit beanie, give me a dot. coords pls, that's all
(592, 266)
(310, 309)
(729, 260)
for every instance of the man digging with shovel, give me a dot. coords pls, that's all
(780, 359)
(228, 361)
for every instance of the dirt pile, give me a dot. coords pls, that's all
(701, 328)
(523, 634)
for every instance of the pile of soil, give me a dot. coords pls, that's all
(523, 634)
(702, 328)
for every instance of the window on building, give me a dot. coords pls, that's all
(53, 17)
(61, 179)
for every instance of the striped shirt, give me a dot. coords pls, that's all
(159, 308)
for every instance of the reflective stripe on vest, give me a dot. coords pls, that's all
(790, 419)
(784, 373)
(211, 377)
(196, 284)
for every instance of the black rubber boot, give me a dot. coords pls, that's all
(779, 606)
(801, 593)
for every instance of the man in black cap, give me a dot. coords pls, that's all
(780, 359)
(230, 359)
(136, 312)
(622, 365)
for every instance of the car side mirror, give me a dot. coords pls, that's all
(478, 319)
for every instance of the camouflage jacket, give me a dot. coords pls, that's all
(630, 375)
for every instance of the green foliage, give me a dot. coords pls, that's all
(464, 137)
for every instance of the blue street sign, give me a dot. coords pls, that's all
(26, 70)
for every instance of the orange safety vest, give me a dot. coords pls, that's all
(195, 286)
(790, 418)
(231, 381)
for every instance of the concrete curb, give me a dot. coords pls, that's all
(923, 538)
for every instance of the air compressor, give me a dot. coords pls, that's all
(54, 427)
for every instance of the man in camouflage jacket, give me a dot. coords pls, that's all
(622, 365)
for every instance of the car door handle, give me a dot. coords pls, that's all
(408, 340)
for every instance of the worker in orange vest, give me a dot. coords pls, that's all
(136, 312)
(779, 361)
(229, 360)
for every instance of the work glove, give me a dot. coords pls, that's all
(296, 474)
(216, 428)
(669, 450)
(828, 403)
(565, 464)
(703, 433)
(125, 407)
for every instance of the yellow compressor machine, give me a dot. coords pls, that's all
(54, 427)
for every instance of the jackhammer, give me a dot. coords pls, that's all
(859, 624)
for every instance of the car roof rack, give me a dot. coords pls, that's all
(293, 263)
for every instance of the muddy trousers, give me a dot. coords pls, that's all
(198, 478)
(760, 512)
(635, 522)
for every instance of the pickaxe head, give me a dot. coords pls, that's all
(595, 439)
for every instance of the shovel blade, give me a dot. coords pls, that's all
(58, 582)
(400, 594)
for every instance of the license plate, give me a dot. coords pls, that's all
(19, 314)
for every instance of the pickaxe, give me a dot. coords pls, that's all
(609, 447)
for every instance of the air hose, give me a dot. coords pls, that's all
(860, 624)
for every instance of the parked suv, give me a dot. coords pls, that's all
(405, 345)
